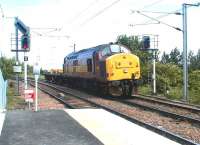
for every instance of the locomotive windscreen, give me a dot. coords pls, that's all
(118, 49)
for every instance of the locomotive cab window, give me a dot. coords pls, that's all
(118, 49)
(125, 50)
(106, 51)
(115, 48)
(75, 62)
(89, 65)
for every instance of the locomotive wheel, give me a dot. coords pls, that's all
(103, 89)
(127, 88)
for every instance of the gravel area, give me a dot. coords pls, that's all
(182, 128)
(67, 98)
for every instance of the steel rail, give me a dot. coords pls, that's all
(162, 112)
(168, 102)
(67, 105)
(187, 105)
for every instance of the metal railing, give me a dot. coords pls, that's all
(3, 97)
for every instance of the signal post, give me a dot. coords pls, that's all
(25, 47)
(150, 44)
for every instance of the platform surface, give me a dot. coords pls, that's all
(114, 130)
(74, 127)
(52, 127)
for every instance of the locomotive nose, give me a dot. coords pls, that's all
(123, 66)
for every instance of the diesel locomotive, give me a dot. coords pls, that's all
(104, 67)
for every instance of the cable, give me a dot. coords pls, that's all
(50, 36)
(81, 13)
(44, 33)
(100, 12)
(57, 36)
(39, 34)
(159, 21)
(176, 12)
(84, 10)
(132, 25)
(168, 13)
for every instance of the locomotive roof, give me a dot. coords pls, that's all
(91, 50)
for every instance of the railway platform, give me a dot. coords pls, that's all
(74, 127)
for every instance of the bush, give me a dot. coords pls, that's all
(167, 76)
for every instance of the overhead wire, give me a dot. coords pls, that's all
(46, 32)
(50, 36)
(176, 12)
(82, 12)
(159, 21)
(160, 12)
(100, 12)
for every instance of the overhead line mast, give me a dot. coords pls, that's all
(185, 59)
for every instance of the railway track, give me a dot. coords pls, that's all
(97, 102)
(168, 101)
(187, 113)
(68, 100)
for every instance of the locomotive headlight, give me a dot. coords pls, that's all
(125, 70)
(109, 75)
(137, 73)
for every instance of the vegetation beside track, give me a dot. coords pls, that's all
(13, 101)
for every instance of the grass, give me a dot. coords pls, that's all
(145, 90)
(175, 93)
(194, 96)
(13, 101)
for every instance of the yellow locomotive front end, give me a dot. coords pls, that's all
(122, 66)
(122, 69)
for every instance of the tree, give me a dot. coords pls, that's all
(165, 58)
(168, 75)
(194, 60)
(175, 56)
(132, 42)
(6, 66)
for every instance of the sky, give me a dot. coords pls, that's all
(57, 24)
